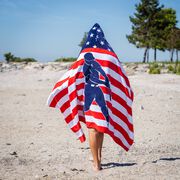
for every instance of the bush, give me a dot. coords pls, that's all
(68, 59)
(29, 60)
(177, 69)
(170, 68)
(154, 68)
(154, 71)
(11, 58)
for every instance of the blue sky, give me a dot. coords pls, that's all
(47, 30)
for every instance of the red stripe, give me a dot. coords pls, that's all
(82, 119)
(98, 50)
(77, 64)
(106, 130)
(120, 115)
(122, 102)
(60, 83)
(113, 81)
(118, 99)
(82, 138)
(114, 67)
(65, 106)
(95, 126)
(123, 131)
(117, 84)
(114, 110)
(96, 115)
(117, 140)
(78, 75)
(58, 97)
(115, 97)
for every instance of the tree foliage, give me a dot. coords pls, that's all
(151, 25)
(9, 57)
(83, 39)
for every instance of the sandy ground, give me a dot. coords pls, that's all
(36, 143)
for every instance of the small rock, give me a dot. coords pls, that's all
(8, 144)
(45, 175)
(14, 153)
(142, 107)
(74, 169)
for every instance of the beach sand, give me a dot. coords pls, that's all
(36, 143)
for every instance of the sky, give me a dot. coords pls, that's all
(47, 30)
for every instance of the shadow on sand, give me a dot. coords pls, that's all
(112, 165)
(167, 159)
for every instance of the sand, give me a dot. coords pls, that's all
(36, 143)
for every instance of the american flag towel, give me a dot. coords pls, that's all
(96, 91)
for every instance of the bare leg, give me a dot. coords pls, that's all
(101, 137)
(95, 142)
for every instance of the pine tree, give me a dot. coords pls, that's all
(142, 22)
(163, 25)
(83, 39)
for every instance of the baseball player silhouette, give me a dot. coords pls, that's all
(92, 71)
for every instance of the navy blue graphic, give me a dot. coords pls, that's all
(96, 39)
(92, 71)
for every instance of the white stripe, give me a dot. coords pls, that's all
(121, 123)
(56, 91)
(74, 122)
(122, 95)
(98, 122)
(79, 133)
(67, 112)
(72, 87)
(118, 120)
(94, 108)
(63, 100)
(108, 70)
(116, 76)
(123, 110)
(119, 135)
(113, 60)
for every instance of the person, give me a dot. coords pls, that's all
(92, 71)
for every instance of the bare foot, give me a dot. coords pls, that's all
(90, 158)
(97, 167)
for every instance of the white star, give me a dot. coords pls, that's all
(94, 28)
(94, 46)
(88, 43)
(98, 30)
(97, 37)
(91, 35)
(109, 49)
(102, 43)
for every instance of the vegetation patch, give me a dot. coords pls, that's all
(68, 59)
(154, 68)
(11, 58)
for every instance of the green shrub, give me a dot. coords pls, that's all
(154, 71)
(177, 69)
(170, 68)
(68, 59)
(28, 60)
(154, 68)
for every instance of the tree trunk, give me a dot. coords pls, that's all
(148, 55)
(172, 53)
(177, 58)
(145, 54)
(155, 54)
